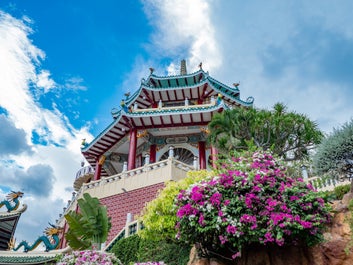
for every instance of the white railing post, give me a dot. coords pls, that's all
(147, 159)
(124, 166)
(171, 152)
(195, 163)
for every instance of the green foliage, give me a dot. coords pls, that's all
(334, 154)
(340, 191)
(172, 253)
(253, 201)
(126, 249)
(135, 249)
(90, 226)
(276, 130)
(159, 215)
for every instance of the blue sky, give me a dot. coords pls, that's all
(65, 64)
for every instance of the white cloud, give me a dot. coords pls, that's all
(184, 28)
(75, 83)
(56, 147)
(44, 81)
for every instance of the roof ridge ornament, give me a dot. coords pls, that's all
(151, 70)
(236, 84)
(183, 67)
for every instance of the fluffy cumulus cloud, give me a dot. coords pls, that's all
(184, 29)
(36, 141)
(13, 140)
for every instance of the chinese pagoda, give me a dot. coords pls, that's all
(157, 135)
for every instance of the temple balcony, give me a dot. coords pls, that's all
(83, 176)
(147, 175)
(181, 106)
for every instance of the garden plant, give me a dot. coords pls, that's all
(252, 201)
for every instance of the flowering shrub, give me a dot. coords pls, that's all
(151, 263)
(252, 202)
(91, 257)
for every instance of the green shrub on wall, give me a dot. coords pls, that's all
(134, 249)
(126, 249)
(159, 215)
(340, 191)
(171, 253)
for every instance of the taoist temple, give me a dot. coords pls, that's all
(156, 135)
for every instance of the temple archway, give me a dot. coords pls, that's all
(182, 154)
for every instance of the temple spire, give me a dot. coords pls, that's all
(183, 67)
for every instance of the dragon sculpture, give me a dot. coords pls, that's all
(50, 240)
(12, 202)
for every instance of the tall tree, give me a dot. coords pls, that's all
(288, 134)
(335, 153)
(88, 227)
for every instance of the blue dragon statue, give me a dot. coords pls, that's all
(12, 202)
(51, 240)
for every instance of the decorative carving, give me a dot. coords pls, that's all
(50, 240)
(142, 134)
(10, 199)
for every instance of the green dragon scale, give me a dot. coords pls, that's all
(10, 199)
(51, 240)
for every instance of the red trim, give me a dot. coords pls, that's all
(98, 170)
(153, 149)
(132, 149)
(202, 155)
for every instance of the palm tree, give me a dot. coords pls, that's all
(90, 226)
(277, 130)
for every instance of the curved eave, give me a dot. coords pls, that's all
(145, 84)
(146, 94)
(181, 110)
(191, 75)
(155, 118)
(8, 223)
(231, 95)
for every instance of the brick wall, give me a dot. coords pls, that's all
(120, 205)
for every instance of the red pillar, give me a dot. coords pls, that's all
(214, 153)
(98, 170)
(202, 155)
(132, 149)
(153, 149)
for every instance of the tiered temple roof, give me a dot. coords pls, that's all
(162, 107)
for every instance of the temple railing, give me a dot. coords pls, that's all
(82, 176)
(327, 183)
(84, 171)
(187, 105)
(149, 174)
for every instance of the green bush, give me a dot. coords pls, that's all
(126, 249)
(159, 215)
(135, 249)
(340, 191)
(172, 253)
